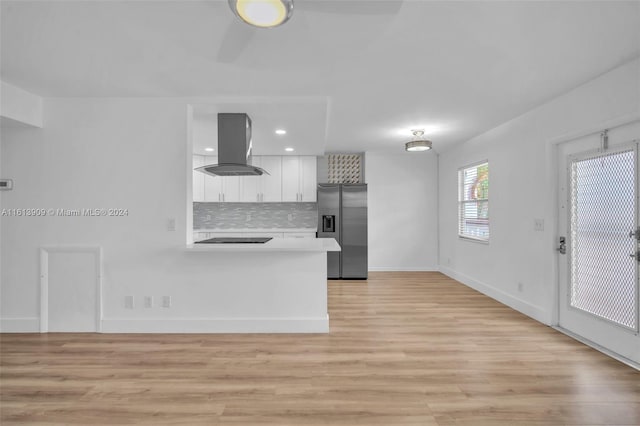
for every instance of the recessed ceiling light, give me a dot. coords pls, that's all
(281, 132)
(289, 149)
(209, 149)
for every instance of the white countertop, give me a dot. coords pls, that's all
(274, 245)
(249, 230)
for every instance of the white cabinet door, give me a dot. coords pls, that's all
(290, 178)
(231, 189)
(308, 178)
(251, 186)
(272, 182)
(198, 178)
(218, 188)
(212, 184)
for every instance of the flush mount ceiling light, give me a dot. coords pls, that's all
(289, 149)
(209, 149)
(419, 143)
(281, 132)
(263, 13)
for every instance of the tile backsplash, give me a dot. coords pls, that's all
(209, 215)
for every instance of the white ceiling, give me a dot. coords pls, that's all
(303, 119)
(455, 68)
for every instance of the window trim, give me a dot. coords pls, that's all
(460, 202)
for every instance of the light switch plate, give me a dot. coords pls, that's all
(129, 302)
(538, 225)
(166, 301)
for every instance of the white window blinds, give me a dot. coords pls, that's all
(473, 201)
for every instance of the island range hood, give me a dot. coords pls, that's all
(234, 148)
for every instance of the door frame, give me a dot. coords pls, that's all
(44, 281)
(553, 180)
(553, 147)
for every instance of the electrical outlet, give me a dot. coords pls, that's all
(166, 301)
(129, 302)
(148, 301)
(290, 217)
(248, 217)
(520, 287)
(538, 225)
(171, 224)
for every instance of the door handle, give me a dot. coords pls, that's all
(562, 248)
(635, 234)
(636, 255)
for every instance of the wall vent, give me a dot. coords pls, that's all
(344, 168)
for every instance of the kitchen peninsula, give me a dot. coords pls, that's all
(276, 287)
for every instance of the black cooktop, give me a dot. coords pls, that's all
(235, 240)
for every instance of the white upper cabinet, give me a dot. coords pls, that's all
(299, 178)
(251, 187)
(308, 178)
(290, 178)
(263, 188)
(230, 188)
(198, 178)
(272, 182)
(218, 188)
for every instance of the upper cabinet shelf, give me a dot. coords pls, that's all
(290, 179)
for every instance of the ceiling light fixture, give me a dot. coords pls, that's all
(289, 149)
(419, 143)
(281, 132)
(263, 13)
(209, 149)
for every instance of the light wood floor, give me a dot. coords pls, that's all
(404, 348)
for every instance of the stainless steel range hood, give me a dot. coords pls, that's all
(234, 148)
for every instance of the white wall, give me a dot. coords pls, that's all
(20, 106)
(402, 208)
(522, 174)
(125, 154)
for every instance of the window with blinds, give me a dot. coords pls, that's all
(473, 201)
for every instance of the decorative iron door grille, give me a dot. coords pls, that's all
(603, 237)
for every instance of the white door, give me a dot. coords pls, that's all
(598, 219)
(72, 291)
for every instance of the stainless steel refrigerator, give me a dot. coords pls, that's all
(342, 214)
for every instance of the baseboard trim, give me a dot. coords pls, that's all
(617, 357)
(533, 311)
(217, 325)
(403, 269)
(20, 325)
